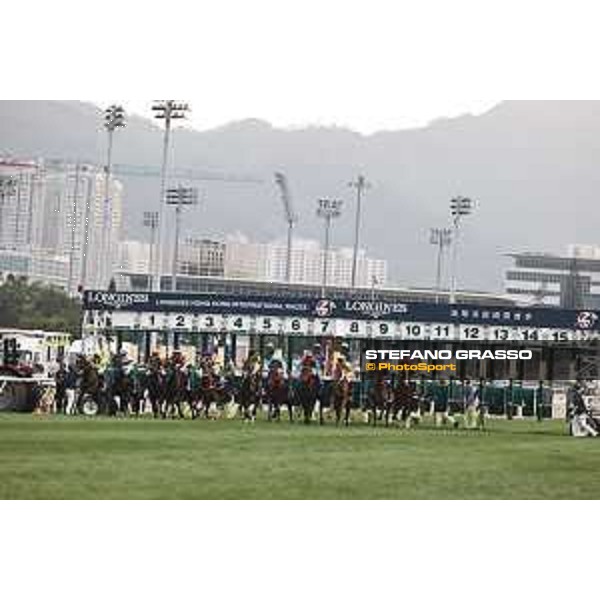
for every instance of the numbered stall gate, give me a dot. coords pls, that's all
(564, 342)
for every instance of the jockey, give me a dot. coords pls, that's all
(252, 363)
(320, 360)
(342, 370)
(272, 355)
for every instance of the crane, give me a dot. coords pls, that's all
(185, 173)
(290, 216)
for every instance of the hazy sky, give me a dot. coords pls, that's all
(384, 64)
(339, 110)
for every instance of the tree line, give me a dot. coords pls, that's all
(32, 305)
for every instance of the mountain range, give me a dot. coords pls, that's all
(530, 166)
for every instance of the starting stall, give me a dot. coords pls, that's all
(564, 342)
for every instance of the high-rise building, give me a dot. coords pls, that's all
(202, 257)
(19, 207)
(570, 280)
(244, 259)
(58, 212)
(268, 262)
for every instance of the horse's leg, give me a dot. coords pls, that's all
(337, 406)
(190, 403)
(347, 407)
(162, 403)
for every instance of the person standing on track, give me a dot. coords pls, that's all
(472, 404)
(441, 405)
(60, 394)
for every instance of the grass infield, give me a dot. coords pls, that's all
(58, 457)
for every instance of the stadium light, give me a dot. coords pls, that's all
(179, 197)
(440, 238)
(167, 111)
(114, 118)
(151, 221)
(459, 207)
(361, 184)
(328, 210)
(290, 216)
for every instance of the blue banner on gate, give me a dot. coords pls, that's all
(340, 308)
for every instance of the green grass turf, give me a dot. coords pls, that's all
(58, 457)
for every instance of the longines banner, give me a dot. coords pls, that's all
(339, 308)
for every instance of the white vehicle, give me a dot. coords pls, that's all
(28, 360)
(39, 350)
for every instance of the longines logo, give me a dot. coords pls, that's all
(375, 308)
(324, 308)
(117, 299)
(586, 319)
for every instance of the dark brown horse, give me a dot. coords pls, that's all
(249, 395)
(277, 392)
(379, 397)
(307, 392)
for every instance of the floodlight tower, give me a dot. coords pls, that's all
(114, 118)
(290, 216)
(328, 210)
(151, 221)
(459, 207)
(441, 238)
(179, 197)
(361, 184)
(167, 111)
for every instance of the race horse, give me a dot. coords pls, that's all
(88, 384)
(277, 392)
(210, 393)
(176, 388)
(341, 399)
(307, 392)
(249, 395)
(404, 407)
(155, 385)
(119, 387)
(379, 397)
